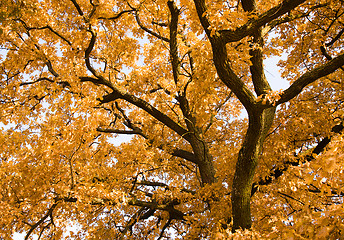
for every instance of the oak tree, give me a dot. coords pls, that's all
(214, 152)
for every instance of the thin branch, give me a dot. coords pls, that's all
(337, 37)
(174, 152)
(34, 226)
(147, 29)
(160, 184)
(36, 81)
(118, 131)
(53, 31)
(131, 222)
(164, 228)
(117, 16)
(291, 197)
(118, 94)
(290, 17)
(77, 7)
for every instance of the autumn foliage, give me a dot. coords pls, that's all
(154, 119)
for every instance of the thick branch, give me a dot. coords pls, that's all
(222, 62)
(260, 83)
(173, 40)
(255, 23)
(117, 94)
(310, 77)
(277, 172)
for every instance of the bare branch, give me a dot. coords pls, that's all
(118, 94)
(164, 228)
(328, 57)
(337, 37)
(36, 81)
(290, 17)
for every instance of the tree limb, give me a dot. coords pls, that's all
(117, 16)
(76, 5)
(279, 171)
(33, 227)
(310, 77)
(259, 21)
(147, 29)
(222, 62)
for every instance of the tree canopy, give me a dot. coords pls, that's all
(214, 152)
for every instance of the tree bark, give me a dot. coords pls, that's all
(259, 124)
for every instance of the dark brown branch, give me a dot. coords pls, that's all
(161, 24)
(310, 77)
(164, 228)
(147, 29)
(160, 184)
(77, 7)
(97, 81)
(335, 38)
(117, 131)
(174, 152)
(279, 171)
(222, 62)
(173, 40)
(51, 69)
(169, 207)
(53, 31)
(290, 17)
(132, 222)
(328, 57)
(117, 94)
(36, 81)
(291, 197)
(255, 23)
(34, 226)
(117, 16)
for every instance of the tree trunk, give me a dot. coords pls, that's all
(259, 125)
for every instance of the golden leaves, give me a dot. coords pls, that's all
(51, 152)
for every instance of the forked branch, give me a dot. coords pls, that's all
(34, 226)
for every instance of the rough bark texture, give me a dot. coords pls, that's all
(259, 124)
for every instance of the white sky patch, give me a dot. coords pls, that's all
(273, 74)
